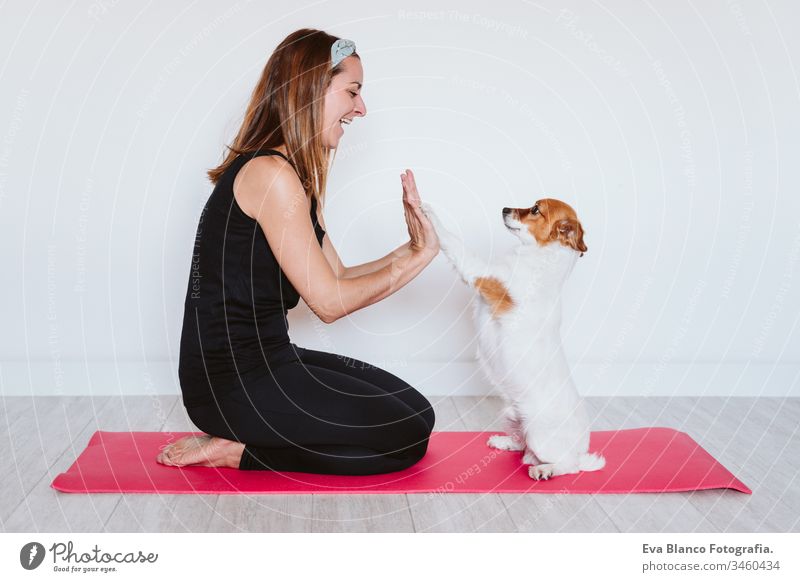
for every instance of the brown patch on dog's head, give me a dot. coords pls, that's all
(495, 294)
(550, 220)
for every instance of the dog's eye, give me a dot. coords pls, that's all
(535, 210)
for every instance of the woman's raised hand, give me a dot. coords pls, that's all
(423, 235)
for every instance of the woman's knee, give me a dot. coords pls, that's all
(390, 426)
(415, 400)
(421, 406)
(413, 454)
(415, 435)
(427, 412)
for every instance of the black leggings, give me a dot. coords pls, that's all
(324, 414)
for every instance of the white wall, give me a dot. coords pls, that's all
(672, 128)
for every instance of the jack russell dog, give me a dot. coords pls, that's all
(518, 316)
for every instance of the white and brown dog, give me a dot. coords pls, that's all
(518, 317)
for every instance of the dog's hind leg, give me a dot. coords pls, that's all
(514, 439)
(504, 443)
(530, 458)
(545, 471)
(569, 466)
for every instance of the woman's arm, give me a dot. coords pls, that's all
(364, 269)
(269, 190)
(343, 272)
(410, 202)
(377, 264)
(369, 283)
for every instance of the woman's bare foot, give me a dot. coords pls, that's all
(206, 451)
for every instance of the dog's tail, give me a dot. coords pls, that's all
(591, 462)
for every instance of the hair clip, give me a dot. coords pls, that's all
(341, 48)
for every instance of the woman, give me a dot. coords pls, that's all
(260, 246)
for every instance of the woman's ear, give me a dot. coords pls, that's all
(569, 233)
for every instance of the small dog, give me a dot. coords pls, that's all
(518, 317)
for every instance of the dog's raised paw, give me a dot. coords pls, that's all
(504, 443)
(540, 472)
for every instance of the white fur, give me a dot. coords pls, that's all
(520, 352)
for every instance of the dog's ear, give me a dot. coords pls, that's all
(570, 233)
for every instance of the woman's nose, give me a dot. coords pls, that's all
(361, 107)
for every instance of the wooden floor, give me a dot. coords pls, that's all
(755, 438)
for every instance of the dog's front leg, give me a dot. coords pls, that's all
(468, 265)
(513, 440)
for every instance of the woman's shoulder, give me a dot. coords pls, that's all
(265, 177)
(275, 167)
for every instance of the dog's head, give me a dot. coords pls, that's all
(548, 221)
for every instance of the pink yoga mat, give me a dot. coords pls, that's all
(643, 460)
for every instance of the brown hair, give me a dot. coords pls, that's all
(286, 108)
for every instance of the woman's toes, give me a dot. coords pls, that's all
(202, 450)
(163, 456)
(184, 451)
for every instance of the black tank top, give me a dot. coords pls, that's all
(234, 319)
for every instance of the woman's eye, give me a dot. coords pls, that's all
(353, 93)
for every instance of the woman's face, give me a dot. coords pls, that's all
(343, 101)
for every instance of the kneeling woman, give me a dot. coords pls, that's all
(260, 246)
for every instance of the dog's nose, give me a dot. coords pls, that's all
(506, 211)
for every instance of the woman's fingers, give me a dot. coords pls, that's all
(406, 188)
(410, 178)
(410, 193)
(416, 229)
(420, 228)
